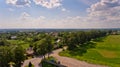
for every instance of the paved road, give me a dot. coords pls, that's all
(69, 62)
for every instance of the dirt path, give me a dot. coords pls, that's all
(69, 62)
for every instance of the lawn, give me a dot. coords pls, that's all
(19, 42)
(106, 52)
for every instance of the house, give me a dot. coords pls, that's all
(13, 37)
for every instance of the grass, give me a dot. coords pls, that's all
(19, 42)
(106, 52)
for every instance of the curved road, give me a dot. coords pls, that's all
(69, 62)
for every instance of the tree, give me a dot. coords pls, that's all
(44, 46)
(19, 55)
(11, 54)
(65, 37)
(41, 47)
(49, 44)
(71, 41)
(78, 39)
(4, 43)
(5, 56)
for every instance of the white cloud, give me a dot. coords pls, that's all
(42, 22)
(103, 14)
(44, 3)
(10, 9)
(24, 16)
(42, 17)
(19, 3)
(27, 21)
(105, 11)
(48, 3)
(88, 2)
(11, 1)
(63, 9)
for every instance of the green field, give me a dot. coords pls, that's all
(24, 44)
(106, 52)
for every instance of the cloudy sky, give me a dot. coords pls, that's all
(59, 14)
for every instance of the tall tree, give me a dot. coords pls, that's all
(44, 46)
(49, 44)
(5, 56)
(19, 56)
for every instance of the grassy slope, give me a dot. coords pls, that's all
(107, 52)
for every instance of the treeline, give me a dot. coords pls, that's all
(76, 39)
(42, 43)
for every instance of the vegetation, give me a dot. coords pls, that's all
(30, 65)
(13, 45)
(106, 51)
(18, 56)
(46, 64)
(11, 54)
(78, 39)
(43, 46)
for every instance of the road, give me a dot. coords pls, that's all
(69, 62)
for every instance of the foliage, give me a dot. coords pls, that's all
(76, 39)
(11, 54)
(13, 49)
(5, 56)
(4, 43)
(51, 58)
(106, 52)
(43, 46)
(45, 64)
(19, 55)
(30, 65)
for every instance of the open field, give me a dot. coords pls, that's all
(106, 52)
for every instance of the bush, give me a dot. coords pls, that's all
(46, 64)
(30, 65)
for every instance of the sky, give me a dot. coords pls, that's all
(77, 14)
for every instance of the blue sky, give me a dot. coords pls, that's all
(59, 14)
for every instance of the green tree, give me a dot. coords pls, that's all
(71, 41)
(44, 46)
(19, 56)
(41, 48)
(49, 44)
(4, 43)
(5, 56)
